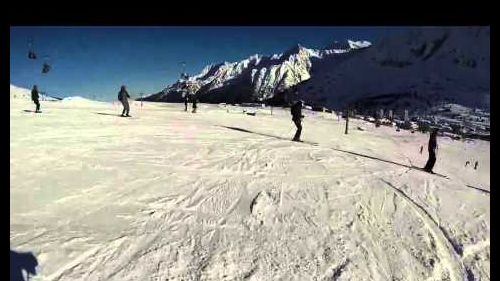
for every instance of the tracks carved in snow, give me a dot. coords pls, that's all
(445, 246)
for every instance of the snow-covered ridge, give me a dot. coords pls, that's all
(23, 93)
(255, 78)
(359, 44)
(413, 70)
(76, 99)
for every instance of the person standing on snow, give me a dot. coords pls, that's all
(186, 100)
(34, 97)
(195, 101)
(123, 98)
(432, 151)
(297, 116)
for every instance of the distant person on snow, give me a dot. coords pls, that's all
(297, 116)
(467, 163)
(186, 101)
(34, 97)
(432, 151)
(475, 165)
(195, 101)
(123, 98)
(421, 149)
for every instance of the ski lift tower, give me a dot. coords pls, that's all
(31, 50)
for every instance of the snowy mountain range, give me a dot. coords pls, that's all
(415, 69)
(256, 78)
(412, 70)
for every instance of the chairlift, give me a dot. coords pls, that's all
(46, 66)
(31, 51)
(31, 55)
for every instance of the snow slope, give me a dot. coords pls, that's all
(221, 195)
(410, 70)
(22, 93)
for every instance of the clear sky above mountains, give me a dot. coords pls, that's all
(94, 61)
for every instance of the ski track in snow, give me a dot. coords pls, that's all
(174, 196)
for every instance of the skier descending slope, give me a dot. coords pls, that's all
(195, 101)
(35, 97)
(123, 98)
(186, 101)
(297, 116)
(432, 151)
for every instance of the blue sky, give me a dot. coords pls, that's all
(94, 61)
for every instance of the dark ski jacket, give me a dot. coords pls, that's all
(432, 143)
(122, 95)
(296, 110)
(34, 94)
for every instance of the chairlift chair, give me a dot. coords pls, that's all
(31, 55)
(31, 51)
(46, 66)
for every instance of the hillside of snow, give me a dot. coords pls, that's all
(22, 93)
(79, 101)
(221, 195)
(19, 93)
(413, 70)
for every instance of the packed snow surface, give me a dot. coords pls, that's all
(222, 195)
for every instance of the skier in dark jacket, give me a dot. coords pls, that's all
(123, 98)
(34, 97)
(195, 101)
(186, 101)
(432, 151)
(297, 116)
